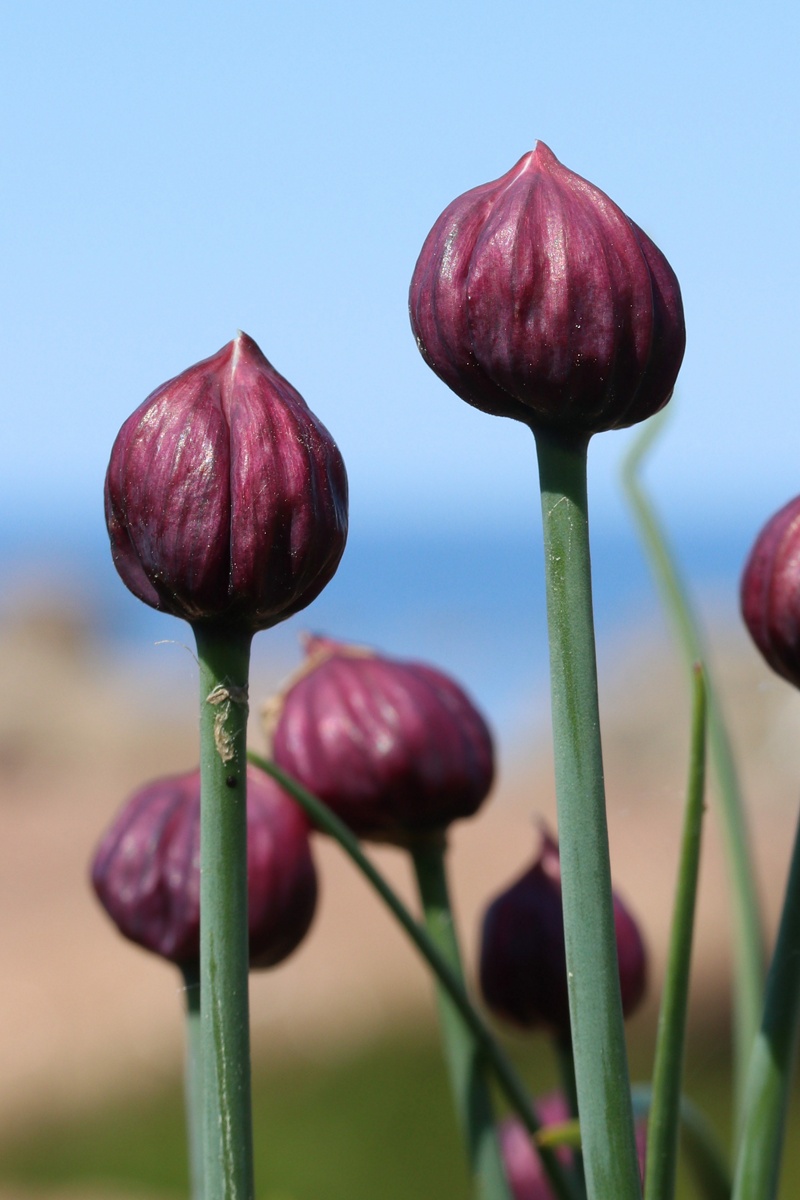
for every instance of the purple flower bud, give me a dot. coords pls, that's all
(396, 749)
(146, 870)
(535, 297)
(226, 498)
(771, 592)
(526, 1175)
(523, 968)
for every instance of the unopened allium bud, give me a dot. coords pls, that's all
(535, 297)
(146, 870)
(396, 749)
(771, 592)
(523, 968)
(526, 1175)
(226, 498)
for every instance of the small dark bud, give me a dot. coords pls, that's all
(146, 871)
(396, 749)
(535, 297)
(226, 498)
(770, 592)
(523, 966)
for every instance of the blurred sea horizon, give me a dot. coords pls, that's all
(470, 602)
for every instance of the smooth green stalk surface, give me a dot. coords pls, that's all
(772, 1064)
(748, 940)
(598, 1038)
(662, 1127)
(224, 961)
(466, 1060)
(507, 1078)
(193, 1077)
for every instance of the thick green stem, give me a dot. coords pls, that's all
(772, 1063)
(224, 660)
(598, 1037)
(193, 1077)
(507, 1078)
(748, 938)
(662, 1128)
(466, 1060)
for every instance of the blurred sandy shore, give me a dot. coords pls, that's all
(83, 1013)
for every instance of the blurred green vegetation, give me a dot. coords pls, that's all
(367, 1123)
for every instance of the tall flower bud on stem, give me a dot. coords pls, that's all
(535, 297)
(226, 503)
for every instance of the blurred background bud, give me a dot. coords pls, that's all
(526, 1175)
(146, 870)
(396, 749)
(523, 968)
(770, 592)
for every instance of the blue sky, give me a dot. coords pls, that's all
(177, 171)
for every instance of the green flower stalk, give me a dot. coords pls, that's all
(536, 298)
(226, 504)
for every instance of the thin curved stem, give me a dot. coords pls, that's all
(774, 1054)
(598, 1038)
(662, 1127)
(748, 938)
(507, 1078)
(465, 1059)
(703, 1149)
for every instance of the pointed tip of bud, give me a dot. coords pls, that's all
(542, 154)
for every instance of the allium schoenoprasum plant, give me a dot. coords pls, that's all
(534, 297)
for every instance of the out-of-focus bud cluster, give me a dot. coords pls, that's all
(226, 498)
(523, 967)
(535, 297)
(146, 870)
(526, 1175)
(396, 749)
